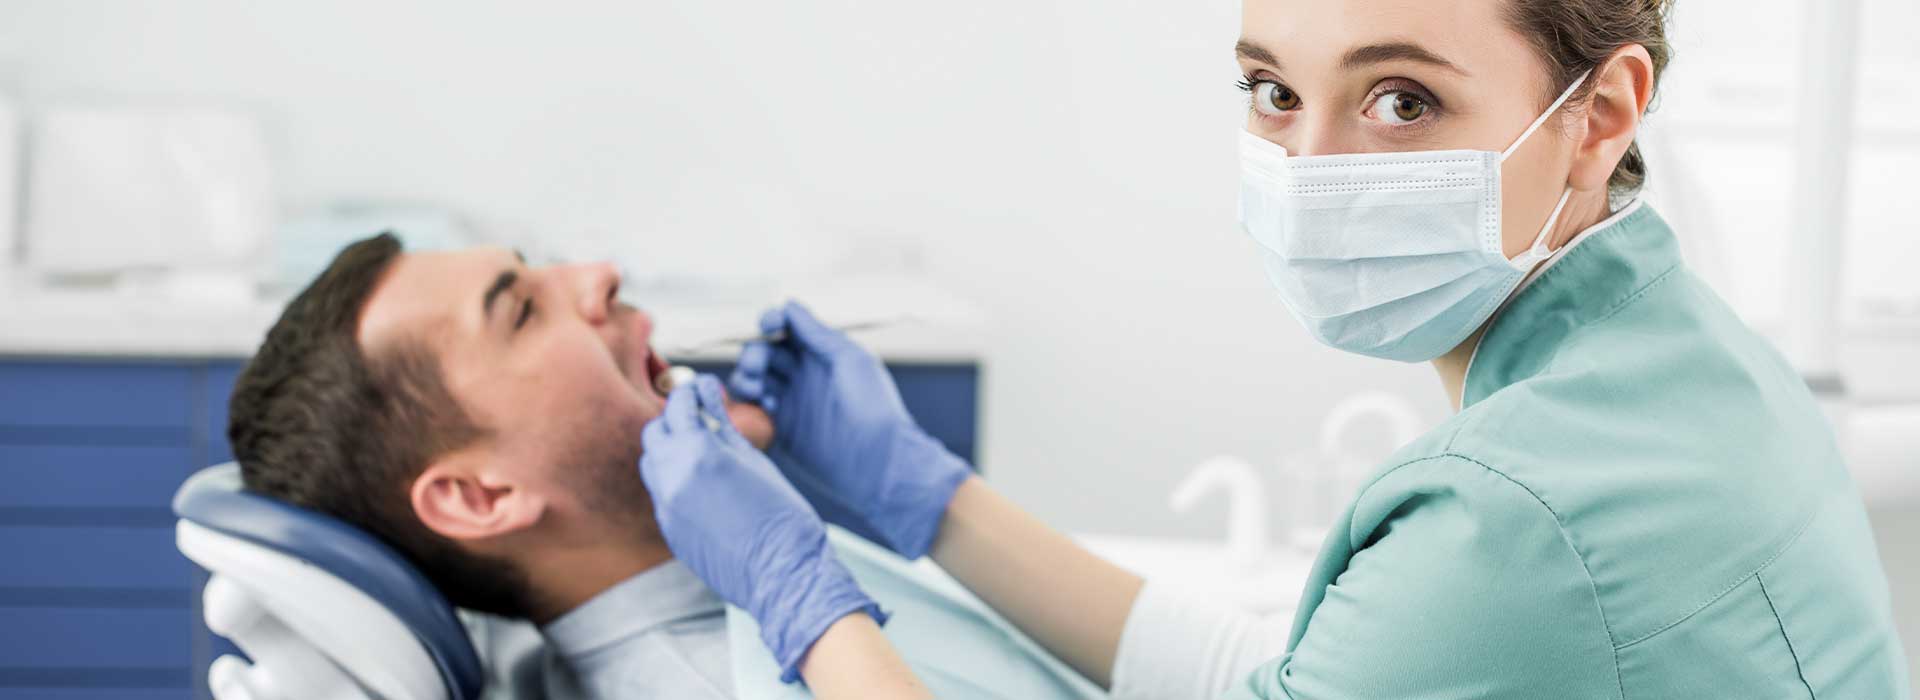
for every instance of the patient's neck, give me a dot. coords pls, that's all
(564, 578)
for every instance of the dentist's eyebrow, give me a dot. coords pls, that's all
(501, 284)
(1254, 52)
(1365, 56)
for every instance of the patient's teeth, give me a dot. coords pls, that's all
(679, 375)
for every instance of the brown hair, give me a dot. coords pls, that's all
(1574, 36)
(316, 421)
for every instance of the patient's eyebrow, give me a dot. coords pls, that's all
(1364, 56)
(501, 284)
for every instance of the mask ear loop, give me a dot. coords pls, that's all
(1538, 251)
(1542, 121)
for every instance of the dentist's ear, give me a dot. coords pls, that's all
(1623, 86)
(461, 498)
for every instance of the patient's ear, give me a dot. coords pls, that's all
(461, 497)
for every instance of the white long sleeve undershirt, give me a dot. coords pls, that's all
(1178, 646)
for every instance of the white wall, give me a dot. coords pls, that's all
(1069, 165)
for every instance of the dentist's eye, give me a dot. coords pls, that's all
(1271, 98)
(1400, 107)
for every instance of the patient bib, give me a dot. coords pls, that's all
(956, 645)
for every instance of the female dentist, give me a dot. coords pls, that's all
(1636, 498)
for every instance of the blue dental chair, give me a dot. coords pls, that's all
(323, 609)
(326, 611)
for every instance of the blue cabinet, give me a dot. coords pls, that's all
(95, 601)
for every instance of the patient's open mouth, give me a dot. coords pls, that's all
(657, 375)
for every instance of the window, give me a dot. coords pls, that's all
(1722, 144)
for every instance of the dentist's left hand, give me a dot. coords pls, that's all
(728, 514)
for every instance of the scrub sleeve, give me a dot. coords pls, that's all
(1446, 580)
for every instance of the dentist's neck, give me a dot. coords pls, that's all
(1453, 367)
(1582, 212)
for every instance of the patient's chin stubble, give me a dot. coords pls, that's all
(601, 466)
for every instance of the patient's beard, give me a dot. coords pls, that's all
(602, 469)
(606, 478)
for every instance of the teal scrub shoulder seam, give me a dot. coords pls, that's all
(1762, 582)
(1736, 583)
(1565, 537)
(1622, 305)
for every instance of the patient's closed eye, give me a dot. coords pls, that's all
(526, 311)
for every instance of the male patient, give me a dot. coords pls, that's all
(484, 418)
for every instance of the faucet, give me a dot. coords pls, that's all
(1246, 506)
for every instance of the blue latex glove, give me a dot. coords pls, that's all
(842, 435)
(726, 512)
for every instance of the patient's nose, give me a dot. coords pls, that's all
(594, 286)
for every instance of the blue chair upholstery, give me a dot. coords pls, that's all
(214, 499)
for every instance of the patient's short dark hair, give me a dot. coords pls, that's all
(317, 421)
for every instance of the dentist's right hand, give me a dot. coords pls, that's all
(843, 436)
(727, 513)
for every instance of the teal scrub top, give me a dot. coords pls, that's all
(1638, 499)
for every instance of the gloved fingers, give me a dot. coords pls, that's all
(749, 374)
(773, 320)
(713, 403)
(767, 377)
(748, 387)
(654, 435)
(753, 357)
(773, 387)
(812, 334)
(658, 473)
(782, 361)
(683, 409)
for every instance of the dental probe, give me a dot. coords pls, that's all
(781, 335)
(678, 375)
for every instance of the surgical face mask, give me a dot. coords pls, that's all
(1391, 255)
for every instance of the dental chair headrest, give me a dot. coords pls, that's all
(215, 500)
